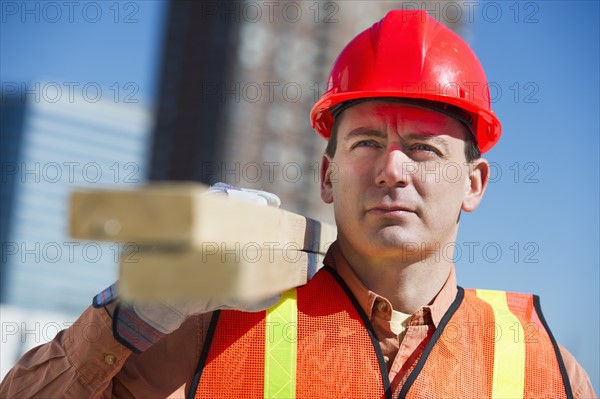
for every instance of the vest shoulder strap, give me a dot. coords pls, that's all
(494, 345)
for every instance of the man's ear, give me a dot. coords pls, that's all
(326, 187)
(479, 175)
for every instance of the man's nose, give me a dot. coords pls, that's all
(395, 168)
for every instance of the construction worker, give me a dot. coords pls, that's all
(384, 317)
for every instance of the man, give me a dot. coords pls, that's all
(384, 317)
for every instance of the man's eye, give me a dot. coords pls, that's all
(425, 147)
(365, 143)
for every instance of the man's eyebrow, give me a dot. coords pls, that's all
(364, 132)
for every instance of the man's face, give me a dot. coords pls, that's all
(399, 179)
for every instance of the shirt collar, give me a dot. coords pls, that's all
(367, 298)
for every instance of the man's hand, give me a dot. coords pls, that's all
(166, 316)
(245, 194)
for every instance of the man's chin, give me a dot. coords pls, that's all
(391, 241)
(383, 239)
(395, 236)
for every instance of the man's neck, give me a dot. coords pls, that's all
(407, 284)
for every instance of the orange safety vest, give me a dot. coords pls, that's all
(489, 344)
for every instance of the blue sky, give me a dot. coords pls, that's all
(91, 42)
(542, 211)
(550, 135)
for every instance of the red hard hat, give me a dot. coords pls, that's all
(409, 55)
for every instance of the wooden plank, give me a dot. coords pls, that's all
(180, 215)
(231, 275)
(184, 244)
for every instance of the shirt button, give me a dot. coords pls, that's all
(110, 359)
(382, 306)
(386, 359)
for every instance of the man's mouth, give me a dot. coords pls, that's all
(390, 210)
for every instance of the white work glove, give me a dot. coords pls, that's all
(167, 315)
(245, 194)
(138, 326)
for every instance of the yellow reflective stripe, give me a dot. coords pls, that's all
(509, 350)
(281, 329)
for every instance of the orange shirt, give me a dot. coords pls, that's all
(86, 361)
